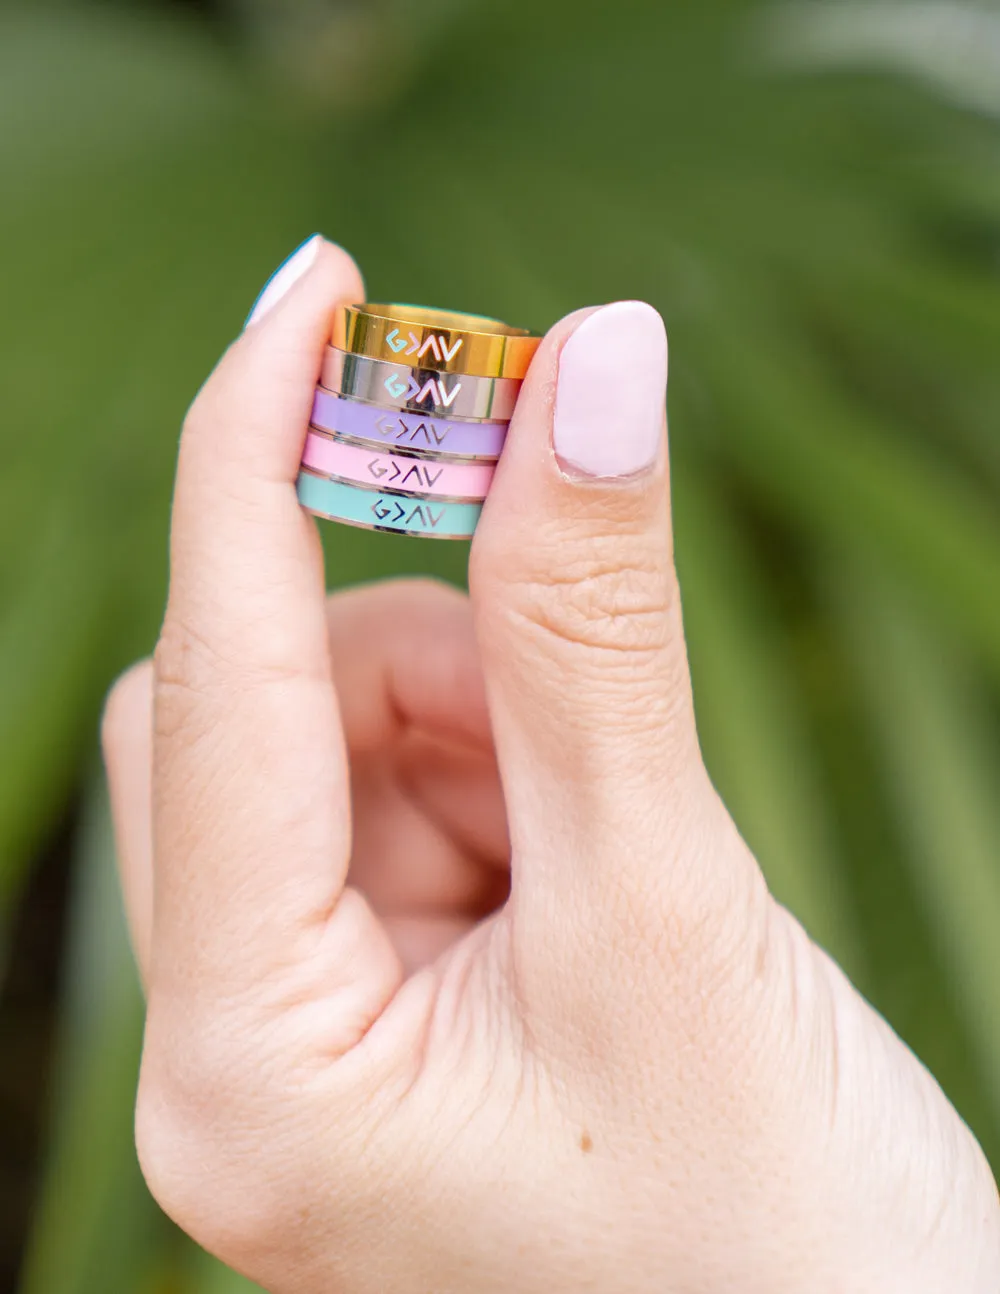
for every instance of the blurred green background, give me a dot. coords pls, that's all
(811, 195)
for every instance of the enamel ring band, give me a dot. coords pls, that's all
(376, 469)
(384, 510)
(437, 339)
(435, 437)
(418, 390)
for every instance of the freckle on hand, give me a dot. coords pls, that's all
(586, 1144)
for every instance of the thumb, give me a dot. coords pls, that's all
(578, 613)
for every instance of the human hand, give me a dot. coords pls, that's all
(367, 1067)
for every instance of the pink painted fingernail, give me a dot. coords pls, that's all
(610, 392)
(288, 272)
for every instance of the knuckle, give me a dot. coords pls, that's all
(234, 661)
(405, 592)
(182, 656)
(590, 591)
(206, 1141)
(214, 1197)
(163, 1152)
(202, 679)
(433, 598)
(124, 706)
(184, 665)
(188, 660)
(197, 685)
(427, 588)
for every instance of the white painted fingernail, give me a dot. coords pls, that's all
(287, 273)
(611, 391)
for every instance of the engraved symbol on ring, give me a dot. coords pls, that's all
(383, 510)
(430, 343)
(423, 513)
(433, 389)
(423, 474)
(437, 345)
(378, 469)
(388, 427)
(428, 431)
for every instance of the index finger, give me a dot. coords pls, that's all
(251, 804)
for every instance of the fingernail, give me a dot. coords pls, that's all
(287, 273)
(610, 392)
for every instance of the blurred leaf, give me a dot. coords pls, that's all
(953, 47)
(905, 976)
(53, 640)
(751, 720)
(942, 762)
(95, 1223)
(859, 486)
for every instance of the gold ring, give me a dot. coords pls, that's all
(436, 339)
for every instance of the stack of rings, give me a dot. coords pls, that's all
(410, 417)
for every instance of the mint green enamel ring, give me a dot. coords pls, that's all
(400, 514)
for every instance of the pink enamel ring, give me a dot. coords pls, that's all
(402, 473)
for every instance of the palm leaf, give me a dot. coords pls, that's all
(751, 713)
(95, 1224)
(941, 761)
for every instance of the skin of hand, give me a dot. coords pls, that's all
(459, 976)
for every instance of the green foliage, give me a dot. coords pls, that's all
(824, 247)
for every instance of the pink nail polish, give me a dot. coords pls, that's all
(610, 392)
